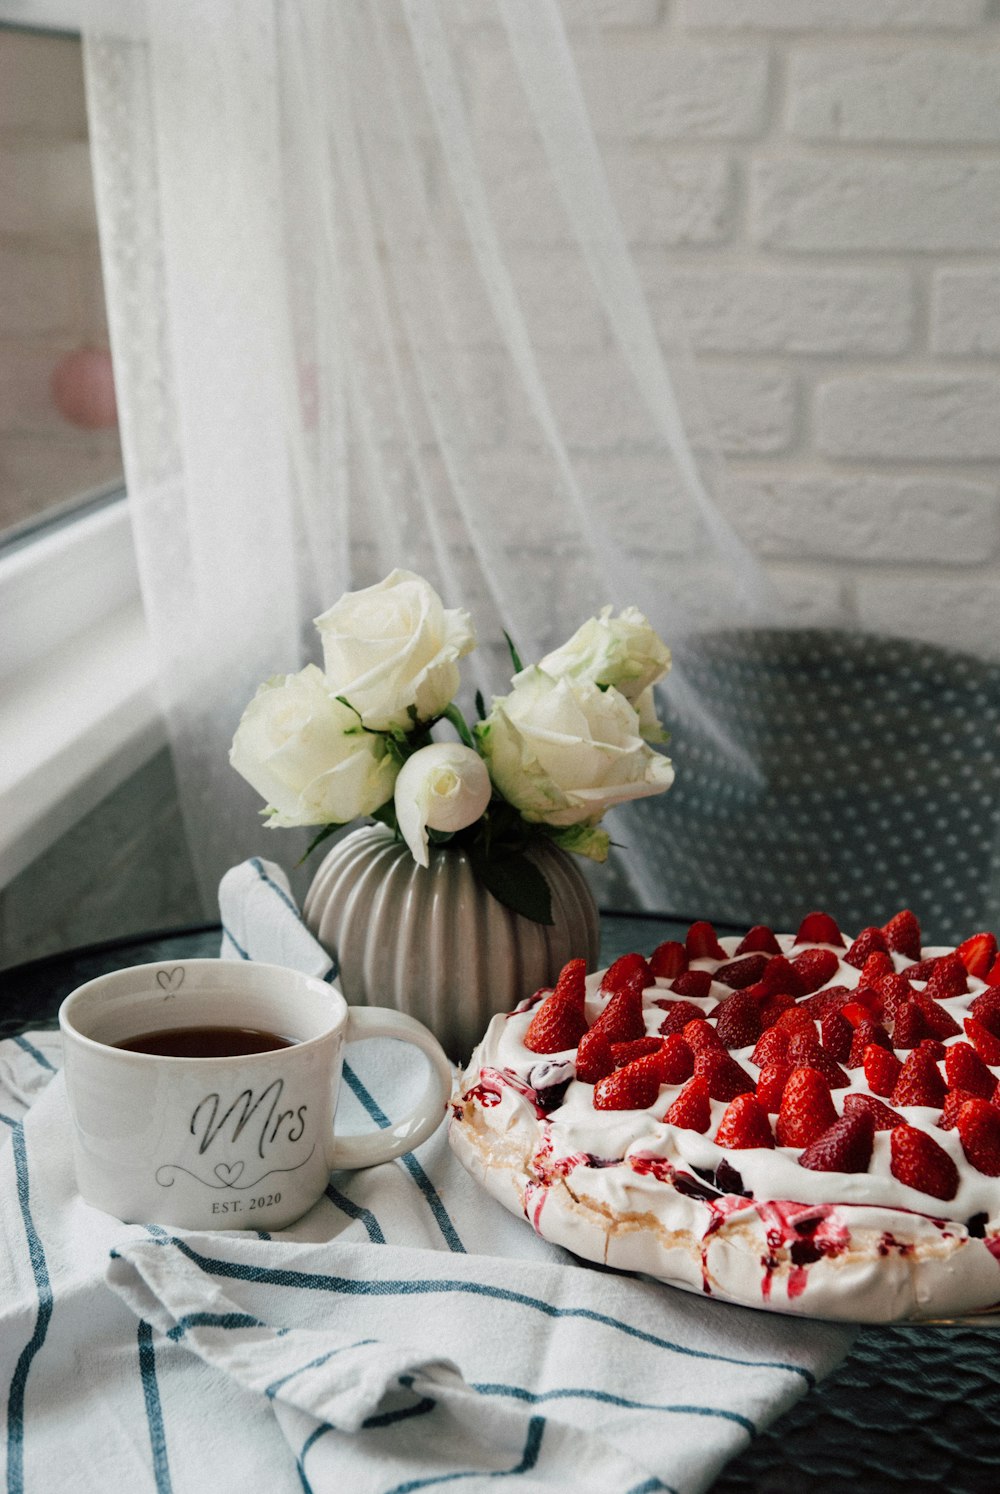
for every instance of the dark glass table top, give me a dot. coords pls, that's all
(911, 1408)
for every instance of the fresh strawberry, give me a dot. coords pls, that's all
(893, 991)
(978, 1127)
(953, 1102)
(623, 1053)
(866, 943)
(846, 1146)
(738, 974)
(668, 959)
(902, 933)
(819, 928)
(781, 978)
(948, 978)
(723, 1075)
(882, 1069)
(739, 1021)
(701, 943)
(695, 983)
(835, 1034)
(805, 1052)
(877, 964)
(986, 1009)
(559, 1022)
(676, 1060)
(759, 940)
(701, 1037)
(833, 999)
(806, 1109)
(624, 973)
(771, 1083)
(745, 1125)
(857, 1013)
(992, 976)
(773, 1007)
(772, 1044)
(920, 1163)
(883, 1117)
(678, 1015)
(939, 1023)
(594, 1058)
(986, 1043)
(865, 1034)
(814, 967)
(919, 1082)
(909, 1026)
(922, 970)
(622, 1020)
(964, 1069)
(934, 1047)
(978, 953)
(691, 1110)
(796, 1019)
(635, 1087)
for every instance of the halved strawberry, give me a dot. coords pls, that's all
(676, 1060)
(992, 976)
(771, 1044)
(695, 983)
(866, 1034)
(893, 991)
(702, 943)
(635, 1087)
(738, 974)
(883, 1117)
(939, 1023)
(701, 1037)
(867, 942)
(948, 978)
(780, 978)
(745, 1125)
(739, 1020)
(819, 928)
(964, 1069)
(845, 1146)
(877, 964)
(806, 1053)
(624, 972)
(986, 1043)
(835, 1034)
(594, 1056)
(934, 1047)
(814, 967)
(771, 1083)
(678, 1015)
(623, 1053)
(919, 1082)
(796, 1019)
(559, 1023)
(622, 1019)
(922, 970)
(882, 1069)
(920, 1163)
(806, 1109)
(908, 1027)
(691, 1109)
(723, 1075)
(986, 1009)
(758, 940)
(773, 1007)
(953, 1102)
(668, 959)
(902, 933)
(833, 999)
(978, 953)
(978, 1127)
(858, 1013)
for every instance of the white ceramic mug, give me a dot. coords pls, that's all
(241, 1142)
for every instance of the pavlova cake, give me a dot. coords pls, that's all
(804, 1122)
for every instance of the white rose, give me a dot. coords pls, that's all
(622, 651)
(443, 787)
(393, 646)
(307, 754)
(563, 751)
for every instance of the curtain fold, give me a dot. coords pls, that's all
(372, 303)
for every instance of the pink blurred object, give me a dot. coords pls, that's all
(83, 389)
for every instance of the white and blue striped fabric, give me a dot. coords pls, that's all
(407, 1334)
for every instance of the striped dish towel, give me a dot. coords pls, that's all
(407, 1334)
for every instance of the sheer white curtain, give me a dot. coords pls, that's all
(371, 304)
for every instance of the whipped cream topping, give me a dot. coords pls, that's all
(573, 1135)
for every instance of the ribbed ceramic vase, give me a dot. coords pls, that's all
(433, 942)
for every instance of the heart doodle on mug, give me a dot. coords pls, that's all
(228, 1172)
(170, 980)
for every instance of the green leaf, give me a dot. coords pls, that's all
(317, 840)
(453, 714)
(516, 882)
(480, 705)
(386, 815)
(515, 657)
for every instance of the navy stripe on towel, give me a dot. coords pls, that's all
(355, 1211)
(154, 1410)
(40, 1271)
(36, 1053)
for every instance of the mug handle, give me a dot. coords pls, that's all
(350, 1152)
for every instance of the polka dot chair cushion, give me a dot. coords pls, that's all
(829, 770)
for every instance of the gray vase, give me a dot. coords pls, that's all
(433, 942)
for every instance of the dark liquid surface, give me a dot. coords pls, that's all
(205, 1042)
